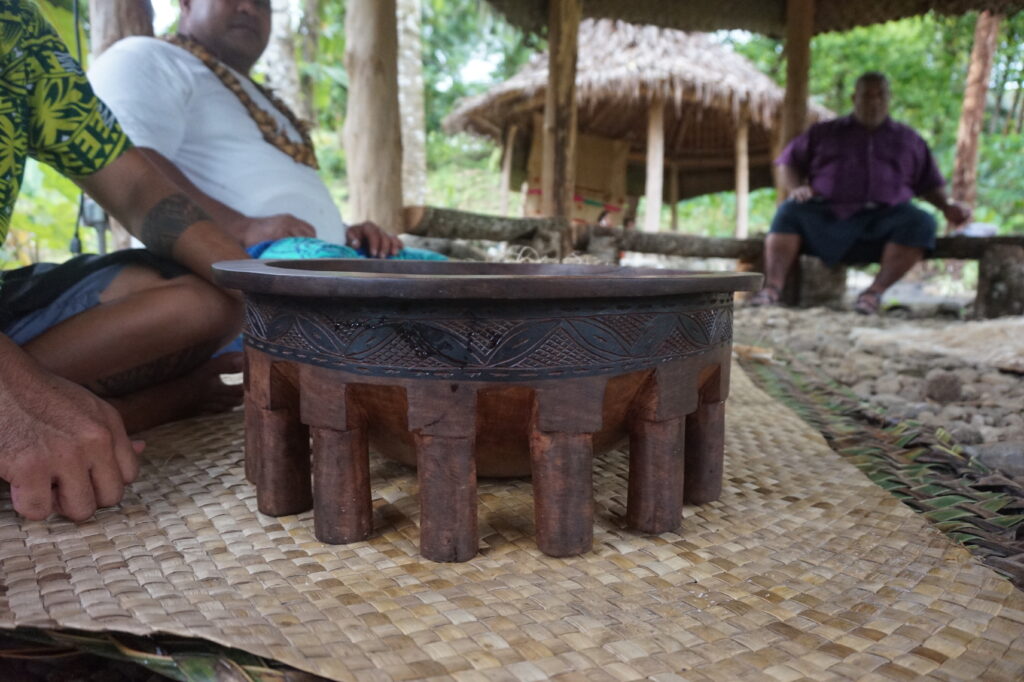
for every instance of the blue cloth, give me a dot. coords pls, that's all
(300, 248)
(859, 238)
(310, 247)
(78, 298)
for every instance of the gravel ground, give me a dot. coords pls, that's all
(974, 392)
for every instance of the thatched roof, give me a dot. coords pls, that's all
(762, 16)
(621, 68)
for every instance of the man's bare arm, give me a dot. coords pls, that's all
(956, 212)
(246, 230)
(794, 184)
(156, 211)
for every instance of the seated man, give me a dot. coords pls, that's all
(848, 184)
(102, 346)
(238, 150)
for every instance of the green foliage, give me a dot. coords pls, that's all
(330, 92)
(714, 215)
(60, 14)
(44, 217)
(1000, 173)
(47, 207)
(456, 33)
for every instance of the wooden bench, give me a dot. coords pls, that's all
(1000, 278)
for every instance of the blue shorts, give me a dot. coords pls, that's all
(82, 296)
(859, 238)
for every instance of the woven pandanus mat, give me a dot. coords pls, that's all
(804, 569)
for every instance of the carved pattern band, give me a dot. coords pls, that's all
(488, 340)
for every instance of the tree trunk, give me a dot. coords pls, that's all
(111, 20)
(373, 135)
(557, 174)
(1020, 115)
(965, 170)
(410, 98)
(309, 47)
(278, 62)
(1014, 114)
(799, 29)
(1003, 75)
(544, 235)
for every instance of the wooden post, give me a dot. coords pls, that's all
(965, 170)
(799, 29)
(1000, 282)
(109, 21)
(411, 99)
(557, 175)
(673, 195)
(655, 165)
(742, 176)
(373, 138)
(506, 167)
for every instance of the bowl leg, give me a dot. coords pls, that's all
(705, 453)
(442, 418)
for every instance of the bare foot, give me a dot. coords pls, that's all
(200, 391)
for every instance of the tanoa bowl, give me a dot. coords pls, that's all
(506, 332)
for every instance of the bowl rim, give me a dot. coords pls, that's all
(409, 279)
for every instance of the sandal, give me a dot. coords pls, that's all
(867, 303)
(768, 296)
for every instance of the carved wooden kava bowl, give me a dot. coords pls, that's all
(482, 368)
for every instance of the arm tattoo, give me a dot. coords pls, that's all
(166, 221)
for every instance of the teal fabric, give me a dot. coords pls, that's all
(309, 247)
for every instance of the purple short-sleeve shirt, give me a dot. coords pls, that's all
(853, 167)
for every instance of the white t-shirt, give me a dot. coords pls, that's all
(168, 100)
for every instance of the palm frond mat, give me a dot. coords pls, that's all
(974, 505)
(804, 569)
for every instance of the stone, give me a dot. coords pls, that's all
(966, 434)
(863, 389)
(954, 412)
(966, 374)
(942, 386)
(911, 388)
(1007, 456)
(889, 383)
(1012, 421)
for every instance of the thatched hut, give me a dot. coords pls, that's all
(762, 16)
(720, 114)
(797, 20)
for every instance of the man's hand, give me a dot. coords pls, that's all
(957, 213)
(62, 449)
(801, 193)
(256, 230)
(375, 242)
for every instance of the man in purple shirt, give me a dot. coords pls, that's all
(848, 184)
